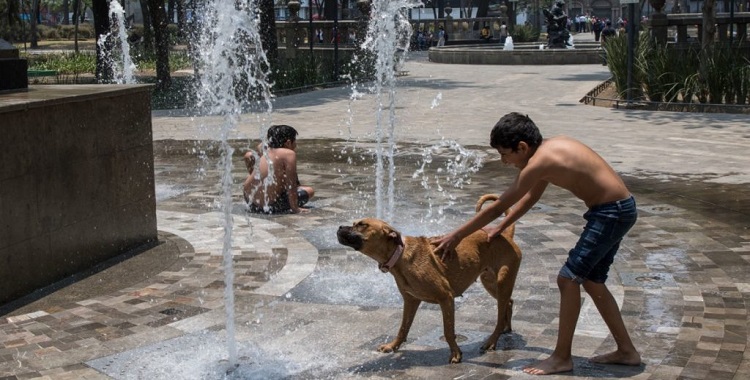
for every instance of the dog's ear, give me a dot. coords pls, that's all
(395, 236)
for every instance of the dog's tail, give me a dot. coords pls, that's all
(511, 230)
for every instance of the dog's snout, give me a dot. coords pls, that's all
(346, 237)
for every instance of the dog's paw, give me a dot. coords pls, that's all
(489, 345)
(456, 358)
(388, 348)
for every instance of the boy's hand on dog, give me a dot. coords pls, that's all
(446, 245)
(492, 232)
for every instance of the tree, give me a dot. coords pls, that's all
(100, 8)
(161, 39)
(709, 24)
(32, 22)
(66, 12)
(148, 35)
(9, 18)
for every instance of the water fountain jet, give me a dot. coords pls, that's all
(232, 70)
(117, 56)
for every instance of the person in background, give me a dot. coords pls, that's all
(281, 192)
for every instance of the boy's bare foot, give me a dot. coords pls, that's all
(618, 357)
(549, 366)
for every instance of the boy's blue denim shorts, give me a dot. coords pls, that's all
(595, 251)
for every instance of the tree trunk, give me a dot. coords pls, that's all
(709, 24)
(268, 30)
(161, 39)
(100, 8)
(33, 23)
(76, 7)
(66, 11)
(148, 35)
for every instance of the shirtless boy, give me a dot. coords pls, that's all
(282, 191)
(569, 164)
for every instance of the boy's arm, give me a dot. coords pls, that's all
(527, 179)
(520, 209)
(290, 182)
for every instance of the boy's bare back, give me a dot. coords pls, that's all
(284, 162)
(570, 164)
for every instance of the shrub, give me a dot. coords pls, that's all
(11, 32)
(524, 33)
(719, 74)
(174, 36)
(52, 34)
(66, 31)
(66, 63)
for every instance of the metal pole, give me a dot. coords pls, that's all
(336, 44)
(631, 46)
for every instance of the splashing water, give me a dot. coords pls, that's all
(117, 57)
(436, 101)
(232, 76)
(456, 173)
(388, 35)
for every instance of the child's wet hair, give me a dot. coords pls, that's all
(279, 134)
(513, 128)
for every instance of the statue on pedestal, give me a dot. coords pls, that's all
(557, 26)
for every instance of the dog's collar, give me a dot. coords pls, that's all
(392, 261)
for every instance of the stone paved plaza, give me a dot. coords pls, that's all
(307, 307)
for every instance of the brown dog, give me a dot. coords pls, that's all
(421, 275)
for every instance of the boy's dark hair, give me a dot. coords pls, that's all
(279, 134)
(512, 129)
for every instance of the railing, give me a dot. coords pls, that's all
(322, 33)
(661, 24)
(461, 29)
(349, 31)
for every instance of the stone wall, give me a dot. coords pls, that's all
(76, 181)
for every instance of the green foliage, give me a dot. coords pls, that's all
(298, 72)
(65, 63)
(656, 67)
(11, 32)
(616, 49)
(46, 32)
(174, 35)
(524, 33)
(683, 68)
(718, 75)
(178, 60)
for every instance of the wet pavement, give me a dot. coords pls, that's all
(307, 307)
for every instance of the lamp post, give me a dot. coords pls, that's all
(631, 46)
(336, 43)
(310, 35)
